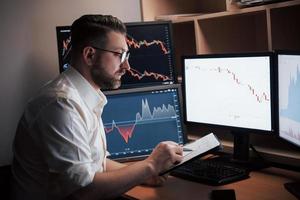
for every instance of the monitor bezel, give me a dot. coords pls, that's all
(234, 129)
(175, 72)
(276, 63)
(149, 89)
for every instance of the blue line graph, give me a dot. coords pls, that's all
(162, 112)
(289, 97)
(136, 122)
(293, 98)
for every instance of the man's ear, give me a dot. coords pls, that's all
(88, 55)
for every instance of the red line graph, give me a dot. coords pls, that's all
(157, 113)
(138, 44)
(259, 97)
(135, 73)
(125, 131)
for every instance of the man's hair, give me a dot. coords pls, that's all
(92, 30)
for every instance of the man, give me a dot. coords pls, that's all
(60, 145)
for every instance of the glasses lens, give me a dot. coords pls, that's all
(124, 56)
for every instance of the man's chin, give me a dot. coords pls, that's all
(117, 85)
(112, 86)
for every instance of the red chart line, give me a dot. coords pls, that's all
(138, 44)
(259, 98)
(125, 131)
(135, 73)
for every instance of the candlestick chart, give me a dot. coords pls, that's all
(232, 91)
(151, 55)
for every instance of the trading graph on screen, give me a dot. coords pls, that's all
(136, 122)
(151, 54)
(64, 46)
(232, 91)
(289, 97)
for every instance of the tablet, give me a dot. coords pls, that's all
(197, 148)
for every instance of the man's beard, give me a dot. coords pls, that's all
(104, 80)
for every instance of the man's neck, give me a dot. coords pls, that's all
(83, 70)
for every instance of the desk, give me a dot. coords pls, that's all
(262, 185)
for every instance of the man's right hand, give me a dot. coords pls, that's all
(164, 156)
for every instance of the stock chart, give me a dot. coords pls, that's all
(64, 46)
(289, 96)
(151, 56)
(232, 91)
(137, 122)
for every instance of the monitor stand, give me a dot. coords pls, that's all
(294, 188)
(241, 155)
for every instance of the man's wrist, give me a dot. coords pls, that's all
(151, 167)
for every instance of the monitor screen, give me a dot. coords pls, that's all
(63, 34)
(151, 53)
(232, 90)
(289, 96)
(136, 120)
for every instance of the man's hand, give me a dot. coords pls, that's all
(164, 156)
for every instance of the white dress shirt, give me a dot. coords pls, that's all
(60, 141)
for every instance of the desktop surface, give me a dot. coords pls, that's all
(264, 184)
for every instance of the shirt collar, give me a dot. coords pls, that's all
(93, 98)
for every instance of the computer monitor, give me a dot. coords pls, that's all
(151, 53)
(136, 120)
(233, 91)
(289, 96)
(288, 80)
(63, 34)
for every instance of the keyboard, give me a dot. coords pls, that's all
(212, 172)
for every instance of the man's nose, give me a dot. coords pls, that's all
(126, 65)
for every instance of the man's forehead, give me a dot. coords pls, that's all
(117, 40)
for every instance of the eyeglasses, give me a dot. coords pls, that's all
(123, 56)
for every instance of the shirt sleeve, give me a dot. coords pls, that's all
(62, 133)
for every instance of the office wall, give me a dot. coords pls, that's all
(28, 54)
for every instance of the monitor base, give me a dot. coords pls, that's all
(252, 164)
